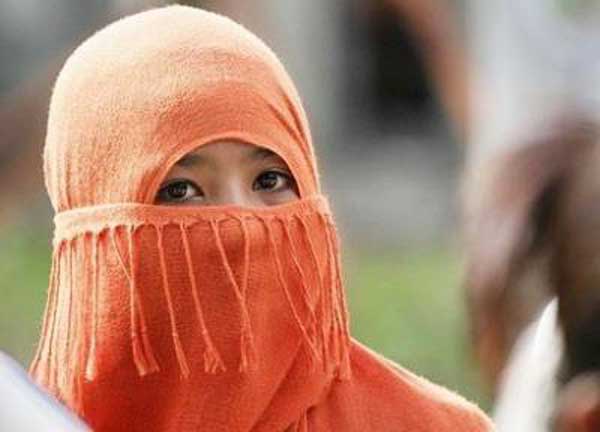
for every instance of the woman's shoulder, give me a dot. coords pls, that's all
(384, 396)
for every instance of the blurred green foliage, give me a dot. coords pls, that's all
(407, 306)
(410, 307)
(24, 268)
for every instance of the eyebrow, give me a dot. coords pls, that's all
(192, 159)
(263, 153)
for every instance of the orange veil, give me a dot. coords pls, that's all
(200, 318)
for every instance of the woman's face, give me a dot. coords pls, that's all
(228, 172)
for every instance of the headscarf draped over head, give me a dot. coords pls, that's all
(179, 318)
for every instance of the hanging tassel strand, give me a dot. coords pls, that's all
(334, 323)
(327, 300)
(53, 311)
(63, 374)
(342, 331)
(305, 290)
(143, 353)
(75, 379)
(345, 367)
(148, 351)
(90, 368)
(212, 358)
(246, 340)
(321, 290)
(139, 356)
(344, 312)
(54, 353)
(179, 352)
(43, 344)
(290, 301)
(246, 267)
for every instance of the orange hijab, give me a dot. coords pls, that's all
(200, 318)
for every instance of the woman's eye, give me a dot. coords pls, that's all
(272, 181)
(180, 190)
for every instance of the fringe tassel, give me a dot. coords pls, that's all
(345, 367)
(145, 351)
(341, 331)
(139, 355)
(327, 308)
(143, 363)
(90, 367)
(75, 356)
(281, 278)
(63, 374)
(179, 352)
(246, 267)
(53, 359)
(44, 343)
(212, 358)
(325, 333)
(321, 290)
(246, 340)
(305, 290)
(335, 323)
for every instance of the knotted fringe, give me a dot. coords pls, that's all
(77, 362)
(65, 357)
(246, 331)
(321, 290)
(143, 356)
(248, 350)
(185, 370)
(90, 367)
(69, 335)
(342, 312)
(53, 346)
(309, 342)
(212, 359)
(49, 315)
(305, 291)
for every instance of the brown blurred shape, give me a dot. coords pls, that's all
(517, 224)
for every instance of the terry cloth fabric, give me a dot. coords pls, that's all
(218, 318)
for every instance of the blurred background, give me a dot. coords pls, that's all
(404, 98)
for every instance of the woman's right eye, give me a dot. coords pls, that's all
(178, 191)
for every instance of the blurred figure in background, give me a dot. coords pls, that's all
(531, 61)
(533, 238)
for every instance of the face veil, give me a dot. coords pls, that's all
(182, 318)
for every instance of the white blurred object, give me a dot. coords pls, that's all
(24, 407)
(532, 59)
(528, 389)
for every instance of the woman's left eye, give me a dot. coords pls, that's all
(179, 191)
(272, 181)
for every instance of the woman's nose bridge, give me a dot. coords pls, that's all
(232, 192)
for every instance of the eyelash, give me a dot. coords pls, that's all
(164, 189)
(287, 177)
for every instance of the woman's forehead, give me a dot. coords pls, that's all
(228, 150)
